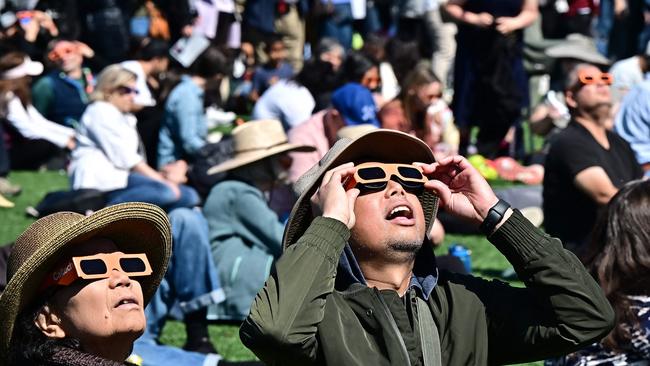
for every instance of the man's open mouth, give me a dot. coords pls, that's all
(400, 211)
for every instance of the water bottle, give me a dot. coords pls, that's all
(464, 254)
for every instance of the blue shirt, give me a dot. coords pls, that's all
(633, 121)
(184, 128)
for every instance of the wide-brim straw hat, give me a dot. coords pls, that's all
(256, 140)
(133, 227)
(578, 47)
(382, 145)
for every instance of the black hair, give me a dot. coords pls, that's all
(211, 63)
(317, 76)
(356, 65)
(151, 48)
(402, 56)
(270, 41)
(29, 346)
(618, 256)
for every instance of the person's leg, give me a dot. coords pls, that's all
(338, 25)
(292, 29)
(147, 352)
(34, 154)
(193, 276)
(143, 189)
(444, 39)
(604, 25)
(189, 198)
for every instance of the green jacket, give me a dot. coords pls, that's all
(299, 318)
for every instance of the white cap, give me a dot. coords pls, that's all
(28, 67)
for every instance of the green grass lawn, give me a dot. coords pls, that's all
(486, 260)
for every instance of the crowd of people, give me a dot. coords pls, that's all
(226, 135)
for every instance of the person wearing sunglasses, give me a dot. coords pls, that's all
(62, 95)
(109, 156)
(78, 285)
(358, 283)
(586, 162)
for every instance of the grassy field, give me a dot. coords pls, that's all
(486, 260)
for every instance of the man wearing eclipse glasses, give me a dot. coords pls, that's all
(355, 286)
(586, 163)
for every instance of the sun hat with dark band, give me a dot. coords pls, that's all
(256, 140)
(381, 145)
(133, 227)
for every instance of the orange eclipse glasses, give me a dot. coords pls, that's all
(62, 49)
(93, 267)
(588, 78)
(375, 176)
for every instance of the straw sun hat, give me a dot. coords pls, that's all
(133, 227)
(377, 145)
(256, 140)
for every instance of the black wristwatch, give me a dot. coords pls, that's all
(494, 216)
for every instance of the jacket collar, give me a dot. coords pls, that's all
(424, 277)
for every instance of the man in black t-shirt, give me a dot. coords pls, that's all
(586, 163)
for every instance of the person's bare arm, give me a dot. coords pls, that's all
(528, 14)
(596, 184)
(455, 9)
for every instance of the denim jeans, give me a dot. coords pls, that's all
(191, 283)
(338, 25)
(144, 189)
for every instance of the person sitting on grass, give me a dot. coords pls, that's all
(108, 157)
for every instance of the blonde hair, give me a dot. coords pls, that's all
(112, 77)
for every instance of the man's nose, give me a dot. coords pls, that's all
(394, 188)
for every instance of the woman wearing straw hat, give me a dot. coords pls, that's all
(245, 233)
(77, 286)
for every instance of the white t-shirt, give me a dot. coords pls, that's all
(144, 97)
(287, 102)
(107, 148)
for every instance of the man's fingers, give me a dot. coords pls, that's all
(440, 189)
(328, 175)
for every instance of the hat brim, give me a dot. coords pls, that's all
(244, 158)
(577, 52)
(133, 227)
(377, 145)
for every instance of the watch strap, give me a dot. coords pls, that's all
(494, 216)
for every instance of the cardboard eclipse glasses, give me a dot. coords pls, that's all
(375, 176)
(587, 77)
(97, 266)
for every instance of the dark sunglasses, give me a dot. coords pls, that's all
(375, 176)
(97, 266)
(122, 90)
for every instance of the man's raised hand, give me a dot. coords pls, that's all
(334, 201)
(462, 190)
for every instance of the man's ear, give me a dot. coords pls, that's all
(570, 100)
(49, 323)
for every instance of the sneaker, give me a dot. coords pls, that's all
(9, 189)
(202, 345)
